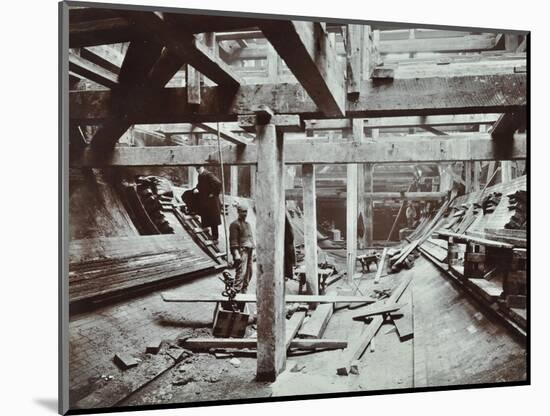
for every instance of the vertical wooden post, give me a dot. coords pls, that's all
(270, 291)
(506, 170)
(477, 172)
(369, 232)
(351, 220)
(272, 64)
(445, 177)
(352, 206)
(193, 85)
(468, 176)
(252, 181)
(234, 180)
(192, 175)
(310, 228)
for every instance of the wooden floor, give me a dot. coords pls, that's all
(454, 344)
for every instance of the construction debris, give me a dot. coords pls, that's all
(125, 361)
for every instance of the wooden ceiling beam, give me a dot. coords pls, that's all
(311, 56)
(427, 96)
(101, 32)
(478, 147)
(186, 47)
(411, 121)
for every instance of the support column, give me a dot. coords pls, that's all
(234, 180)
(252, 181)
(310, 228)
(477, 172)
(352, 206)
(506, 170)
(369, 232)
(192, 174)
(468, 176)
(270, 290)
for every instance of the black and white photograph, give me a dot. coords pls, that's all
(265, 208)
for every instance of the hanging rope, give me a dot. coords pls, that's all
(226, 237)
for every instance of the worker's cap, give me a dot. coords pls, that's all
(241, 206)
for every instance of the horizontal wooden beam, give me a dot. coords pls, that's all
(101, 32)
(470, 43)
(411, 121)
(478, 146)
(409, 196)
(311, 57)
(427, 96)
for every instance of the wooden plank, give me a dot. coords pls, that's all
(293, 325)
(270, 286)
(376, 309)
(250, 298)
(251, 343)
(477, 147)
(91, 71)
(381, 265)
(311, 57)
(356, 351)
(427, 96)
(404, 322)
(310, 228)
(316, 324)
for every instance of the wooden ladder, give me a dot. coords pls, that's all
(192, 225)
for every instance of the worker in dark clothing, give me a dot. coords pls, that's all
(241, 244)
(208, 189)
(410, 213)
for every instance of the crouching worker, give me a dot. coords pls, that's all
(241, 243)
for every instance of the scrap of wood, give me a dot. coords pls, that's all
(317, 323)
(251, 298)
(379, 310)
(381, 265)
(404, 323)
(293, 326)
(251, 343)
(372, 328)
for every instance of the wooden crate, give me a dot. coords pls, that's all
(228, 323)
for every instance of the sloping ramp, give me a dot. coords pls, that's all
(101, 267)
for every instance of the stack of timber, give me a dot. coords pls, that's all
(484, 256)
(104, 267)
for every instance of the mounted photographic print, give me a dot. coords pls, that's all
(264, 208)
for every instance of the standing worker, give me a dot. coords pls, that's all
(208, 189)
(241, 243)
(410, 213)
